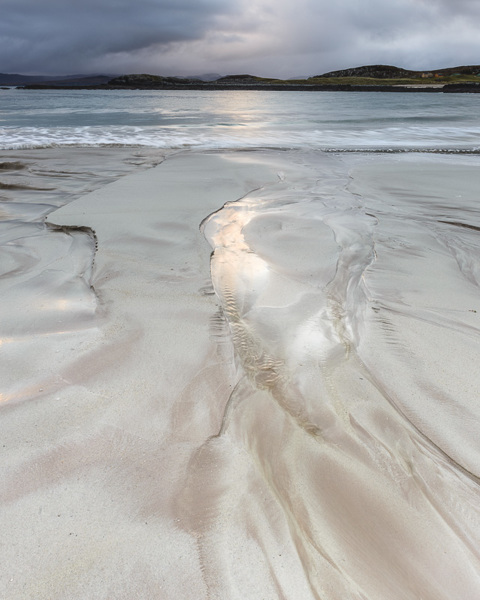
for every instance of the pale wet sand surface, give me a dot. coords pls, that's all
(239, 375)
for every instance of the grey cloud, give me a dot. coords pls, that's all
(55, 34)
(275, 37)
(419, 34)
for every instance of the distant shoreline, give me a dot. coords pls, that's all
(370, 78)
(447, 88)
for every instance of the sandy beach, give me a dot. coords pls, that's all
(240, 375)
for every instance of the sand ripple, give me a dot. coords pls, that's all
(352, 306)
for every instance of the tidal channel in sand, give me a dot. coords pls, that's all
(295, 416)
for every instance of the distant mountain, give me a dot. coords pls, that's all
(205, 77)
(298, 78)
(245, 79)
(389, 72)
(147, 81)
(18, 79)
(74, 81)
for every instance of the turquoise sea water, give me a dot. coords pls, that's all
(230, 119)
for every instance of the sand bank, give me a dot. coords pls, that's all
(295, 417)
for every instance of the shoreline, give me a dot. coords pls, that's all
(459, 88)
(254, 87)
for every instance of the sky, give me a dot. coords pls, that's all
(278, 38)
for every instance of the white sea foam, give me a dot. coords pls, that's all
(331, 121)
(221, 137)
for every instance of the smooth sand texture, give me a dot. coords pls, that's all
(300, 422)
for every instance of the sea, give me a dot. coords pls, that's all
(330, 121)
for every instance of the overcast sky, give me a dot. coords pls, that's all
(281, 38)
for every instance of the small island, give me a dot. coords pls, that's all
(378, 78)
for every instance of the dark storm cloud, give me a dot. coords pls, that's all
(67, 34)
(276, 37)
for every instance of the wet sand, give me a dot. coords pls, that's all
(295, 416)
